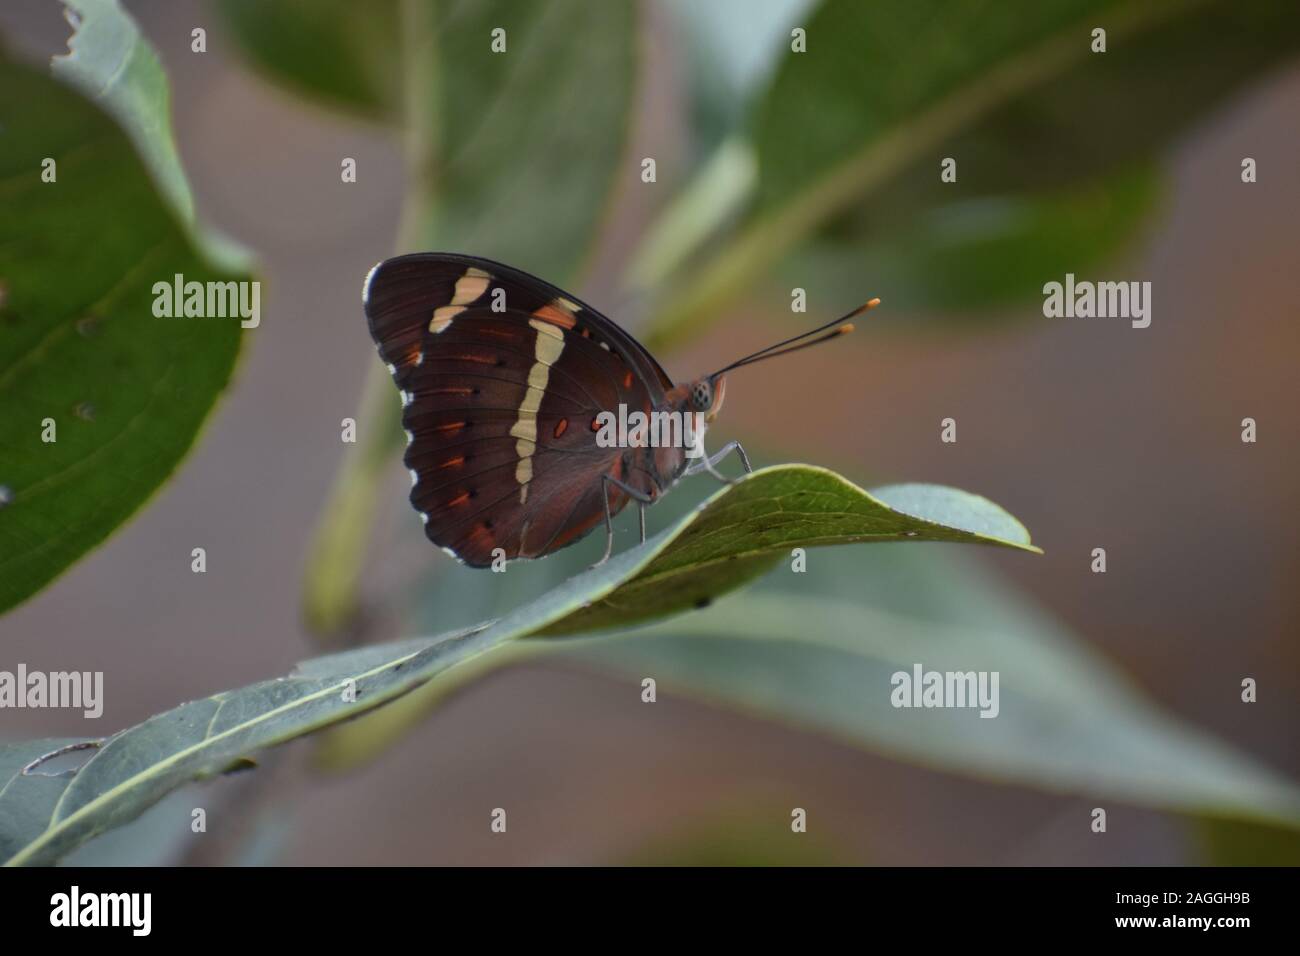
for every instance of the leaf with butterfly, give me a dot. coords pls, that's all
(731, 539)
(508, 384)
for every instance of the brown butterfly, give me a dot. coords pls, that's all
(515, 400)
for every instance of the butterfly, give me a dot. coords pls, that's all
(514, 399)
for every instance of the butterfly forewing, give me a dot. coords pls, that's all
(502, 376)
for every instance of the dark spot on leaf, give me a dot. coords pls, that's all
(701, 603)
(85, 411)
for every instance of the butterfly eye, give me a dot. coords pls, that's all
(701, 396)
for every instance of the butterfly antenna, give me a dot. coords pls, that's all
(843, 327)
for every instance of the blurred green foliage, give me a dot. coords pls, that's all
(1054, 142)
(79, 343)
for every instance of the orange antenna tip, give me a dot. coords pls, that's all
(863, 308)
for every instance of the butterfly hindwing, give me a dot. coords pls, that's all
(502, 376)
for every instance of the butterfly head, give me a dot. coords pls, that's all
(706, 394)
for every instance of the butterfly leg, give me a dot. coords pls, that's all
(710, 463)
(640, 497)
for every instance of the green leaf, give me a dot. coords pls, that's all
(79, 343)
(1065, 721)
(984, 252)
(1012, 91)
(27, 792)
(325, 50)
(743, 530)
(42, 818)
(823, 658)
(1044, 123)
(529, 141)
(112, 64)
(1056, 180)
(513, 154)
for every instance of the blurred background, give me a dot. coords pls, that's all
(1093, 433)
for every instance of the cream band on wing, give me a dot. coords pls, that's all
(549, 345)
(468, 289)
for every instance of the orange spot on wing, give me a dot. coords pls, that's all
(561, 426)
(460, 499)
(556, 316)
(449, 427)
(627, 380)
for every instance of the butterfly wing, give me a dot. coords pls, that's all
(502, 376)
